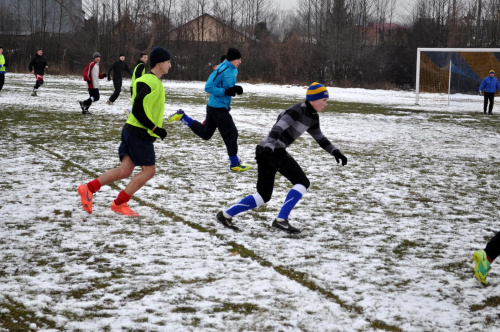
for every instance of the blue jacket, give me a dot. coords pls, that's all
(489, 84)
(222, 78)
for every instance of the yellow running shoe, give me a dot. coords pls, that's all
(124, 210)
(86, 197)
(240, 167)
(176, 116)
(482, 266)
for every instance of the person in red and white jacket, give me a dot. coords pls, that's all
(91, 75)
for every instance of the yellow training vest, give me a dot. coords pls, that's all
(154, 102)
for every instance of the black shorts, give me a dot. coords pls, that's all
(141, 151)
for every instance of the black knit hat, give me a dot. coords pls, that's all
(233, 54)
(157, 55)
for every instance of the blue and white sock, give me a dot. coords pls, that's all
(247, 203)
(293, 197)
(187, 120)
(233, 160)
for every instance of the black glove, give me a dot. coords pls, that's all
(232, 91)
(338, 155)
(104, 75)
(109, 78)
(160, 132)
(263, 155)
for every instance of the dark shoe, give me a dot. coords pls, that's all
(227, 222)
(285, 226)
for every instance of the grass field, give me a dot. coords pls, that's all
(386, 242)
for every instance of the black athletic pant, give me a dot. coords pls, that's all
(2, 80)
(493, 247)
(39, 81)
(218, 118)
(488, 96)
(279, 161)
(118, 88)
(92, 93)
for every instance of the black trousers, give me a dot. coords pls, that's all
(218, 118)
(488, 96)
(493, 247)
(2, 80)
(279, 161)
(118, 88)
(92, 93)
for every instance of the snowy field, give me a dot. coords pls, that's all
(386, 242)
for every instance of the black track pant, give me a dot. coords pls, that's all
(2, 80)
(93, 94)
(118, 88)
(279, 161)
(488, 96)
(493, 247)
(218, 118)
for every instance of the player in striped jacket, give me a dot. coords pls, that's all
(272, 157)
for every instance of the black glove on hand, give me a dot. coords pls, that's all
(104, 75)
(238, 89)
(160, 132)
(263, 156)
(232, 91)
(338, 155)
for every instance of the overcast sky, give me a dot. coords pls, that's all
(404, 7)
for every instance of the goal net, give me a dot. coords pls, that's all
(458, 72)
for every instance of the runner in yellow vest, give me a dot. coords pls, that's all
(143, 127)
(3, 64)
(139, 70)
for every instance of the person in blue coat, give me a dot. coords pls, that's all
(489, 85)
(221, 85)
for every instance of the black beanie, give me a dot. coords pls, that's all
(233, 54)
(157, 55)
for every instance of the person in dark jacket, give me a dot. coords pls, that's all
(37, 66)
(484, 258)
(489, 85)
(272, 157)
(117, 68)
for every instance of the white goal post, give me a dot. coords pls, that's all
(438, 64)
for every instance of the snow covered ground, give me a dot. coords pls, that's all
(386, 241)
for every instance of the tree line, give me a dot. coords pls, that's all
(365, 43)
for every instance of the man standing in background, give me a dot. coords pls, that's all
(37, 66)
(489, 85)
(118, 68)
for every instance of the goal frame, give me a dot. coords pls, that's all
(424, 49)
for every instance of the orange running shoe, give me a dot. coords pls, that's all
(124, 209)
(86, 197)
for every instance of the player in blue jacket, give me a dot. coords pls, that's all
(222, 87)
(489, 85)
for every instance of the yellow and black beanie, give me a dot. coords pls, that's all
(316, 91)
